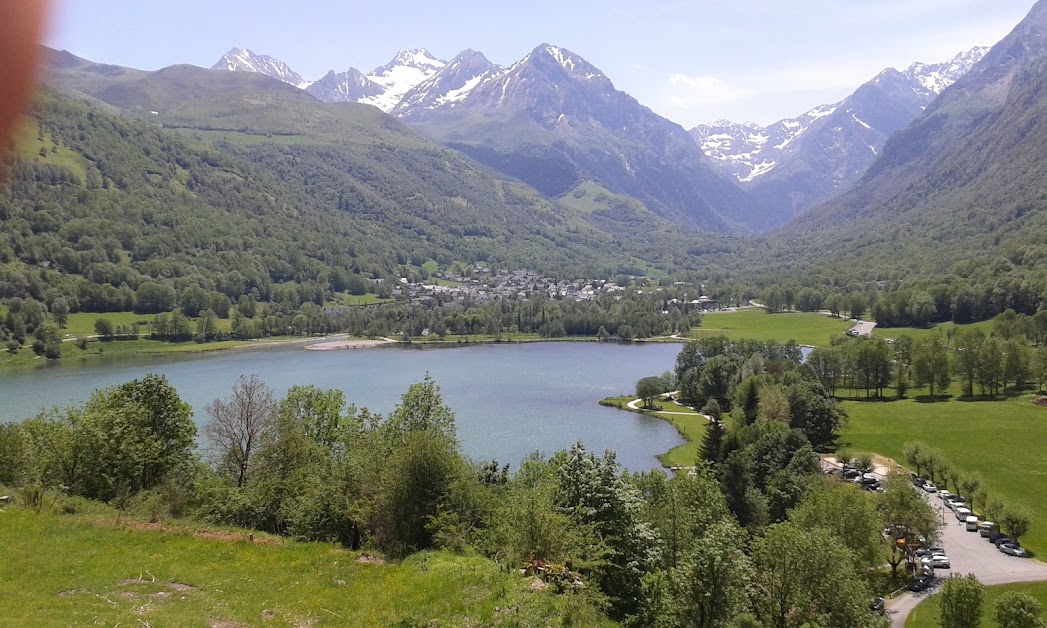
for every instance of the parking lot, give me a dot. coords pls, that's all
(969, 552)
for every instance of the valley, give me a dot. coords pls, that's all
(588, 359)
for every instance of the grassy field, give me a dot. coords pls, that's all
(691, 427)
(1002, 440)
(926, 615)
(83, 323)
(96, 349)
(915, 332)
(61, 570)
(343, 298)
(806, 328)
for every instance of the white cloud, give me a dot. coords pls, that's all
(686, 91)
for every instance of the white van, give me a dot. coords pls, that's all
(962, 513)
(972, 523)
(986, 528)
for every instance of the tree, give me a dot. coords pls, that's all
(911, 520)
(104, 328)
(421, 409)
(913, 451)
(419, 477)
(593, 492)
(49, 337)
(130, 437)
(990, 366)
(931, 363)
(647, 388)
(60, 311)
(806, 576)
(1015, 521)
(711, 582)
(318, 412)
(238, 426)
(1015, 609)
(712, 442)
(961, 601)
(849, 514)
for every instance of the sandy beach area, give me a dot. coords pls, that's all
(348, 343)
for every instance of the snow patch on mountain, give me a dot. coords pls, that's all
(749, 151)
(243, 60)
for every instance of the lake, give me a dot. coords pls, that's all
(509, 399)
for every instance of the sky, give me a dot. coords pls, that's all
(692, 61)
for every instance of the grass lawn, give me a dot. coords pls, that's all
(806, 328)
(97, 348)
(369, 298)
(61, 570)
(926, 615)
(916, 332)
(1002, 440)
(83, 323)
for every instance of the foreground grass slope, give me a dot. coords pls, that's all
(60, 570)
(1002, 440)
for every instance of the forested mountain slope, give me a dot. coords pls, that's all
(408, 197)
(961, 191)
(112, 213)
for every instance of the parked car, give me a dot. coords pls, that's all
(962, 513)
(1001, 540)
(938, 561)
(986, 528)
(921, 583)
(918, 480)
(850, 474)
(930, 487)
(878, 606)
(944, 495)
(971, 522)
(929, 551)
(1013, 549)
(994, 536)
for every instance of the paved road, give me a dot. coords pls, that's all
(863, 328)
(969, 552)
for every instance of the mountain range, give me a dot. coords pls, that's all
(575, 146)
(570, 125)
(813, 157)
(957, 194)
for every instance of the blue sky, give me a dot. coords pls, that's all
(690, 60)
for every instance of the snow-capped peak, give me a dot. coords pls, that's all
(394, 79)
(243, 60)
(450, 85)
(935, 77)
(573, 64)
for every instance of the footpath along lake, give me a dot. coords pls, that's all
(509, 399)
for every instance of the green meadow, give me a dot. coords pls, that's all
(62, 570)
(1002, 440)
(806, 328)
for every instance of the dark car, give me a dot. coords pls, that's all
(919, 481)
(921, 583)
(1003, 539)
(995, 534)
(878, 606)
